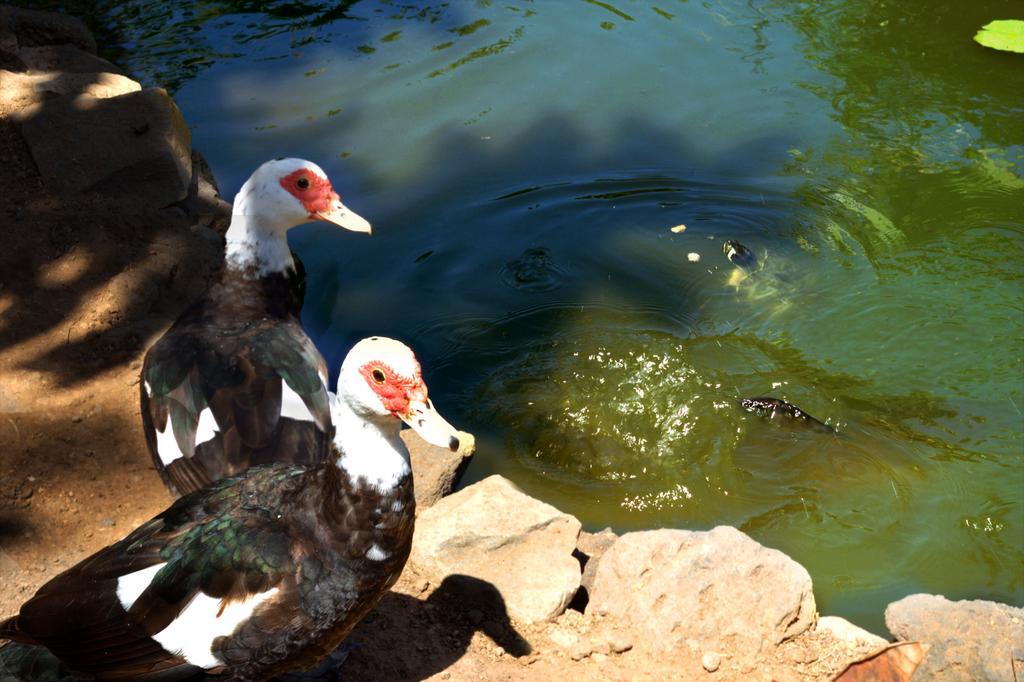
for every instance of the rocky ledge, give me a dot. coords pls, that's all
(678, 604)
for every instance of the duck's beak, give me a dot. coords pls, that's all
(340, 215)
(432, 427)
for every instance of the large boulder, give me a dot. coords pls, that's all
(492, 531)
(970, 640)
(66, 58)
(436, 470)
(706, 590)
(135, 145)
(27, 28)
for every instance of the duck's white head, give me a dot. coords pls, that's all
(381, 382)
(280, 195)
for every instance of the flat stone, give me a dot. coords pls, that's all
(436, 470)
(970, 640)
(64, 58)
(715, 590)
(135, 144)
(493, 532)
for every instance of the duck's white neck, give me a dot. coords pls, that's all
(255, 242)
(370, 448)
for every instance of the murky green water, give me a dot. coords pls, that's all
(522, 163)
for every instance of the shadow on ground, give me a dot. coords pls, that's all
(406, 638)
(88, 273)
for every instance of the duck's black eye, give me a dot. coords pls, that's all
(378, 376)
(302, 183)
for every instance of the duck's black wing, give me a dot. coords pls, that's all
(217, 569)
(234, 382)
(36, 663)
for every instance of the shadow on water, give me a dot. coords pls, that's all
(169, 44)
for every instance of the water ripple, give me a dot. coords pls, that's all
(533, 271)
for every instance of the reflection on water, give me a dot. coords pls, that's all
(523, 162)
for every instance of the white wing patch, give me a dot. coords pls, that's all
(375, 553)
(149, 389)
(167, 446)
(130, 586)
(193, 632)
(207, 427)
(292, 405)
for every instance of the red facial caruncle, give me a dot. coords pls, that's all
(315, 192)
(395, 390)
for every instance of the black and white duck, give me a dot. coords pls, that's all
(236, 381)
(259, 574)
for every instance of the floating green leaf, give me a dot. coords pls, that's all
(1002, 34)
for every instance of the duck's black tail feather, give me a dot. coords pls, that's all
(9, 630)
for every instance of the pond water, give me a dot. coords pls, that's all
(522, 164)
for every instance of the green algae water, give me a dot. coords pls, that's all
(523, 163)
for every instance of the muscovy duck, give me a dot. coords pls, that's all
(259, 574)
(236, 381)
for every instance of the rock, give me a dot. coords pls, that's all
(32, 27)
(436, 470)
(848, 633)
(133, 145)
(8, 43)
(618, 642)
(591, 546)
(21, 90)
(970, 640)
(204, 206)
(64, 58)
(579, 652)
(713, 590)
(609, 640)
(594, 545)
(10, 62)
(493, 532)
(711, 661)
(564, 638)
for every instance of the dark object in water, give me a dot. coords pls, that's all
(781, 412)
(740, 256)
